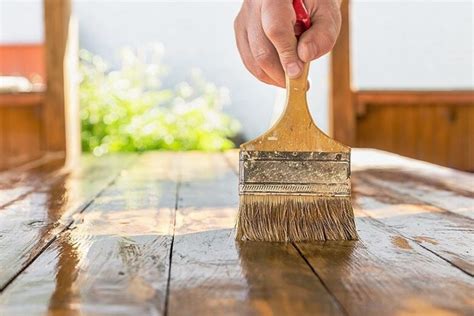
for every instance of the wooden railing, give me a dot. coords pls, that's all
(435, 126)
(35, 123)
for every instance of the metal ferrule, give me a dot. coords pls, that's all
(294, 173)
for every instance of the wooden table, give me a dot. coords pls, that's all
(152, 234)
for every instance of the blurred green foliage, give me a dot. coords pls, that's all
(127, 110)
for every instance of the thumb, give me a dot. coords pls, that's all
(278, 18)
(320, 38)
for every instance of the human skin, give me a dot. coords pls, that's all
(267, 43)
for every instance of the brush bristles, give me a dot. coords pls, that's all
(284, 218)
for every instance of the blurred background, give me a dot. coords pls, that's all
(145, 75)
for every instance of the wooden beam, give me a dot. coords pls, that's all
(414, 96)
(342, 123)
(60, 112)
(21, 99)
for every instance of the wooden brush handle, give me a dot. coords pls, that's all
(295, 130)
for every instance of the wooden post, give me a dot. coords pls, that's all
(342, 120)
(60, 112)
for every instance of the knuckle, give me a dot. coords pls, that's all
(325, 43)
(274, 31)
(263, 57)
(287, 52)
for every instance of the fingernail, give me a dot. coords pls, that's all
(293, 70)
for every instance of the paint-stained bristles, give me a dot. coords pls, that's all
(283, 218)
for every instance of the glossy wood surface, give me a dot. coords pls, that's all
(30, 222)
(154, 235)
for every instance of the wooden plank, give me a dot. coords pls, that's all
(412, 187)
(3, 143)
(23, 135)
(41, 215)
(470, 140)
(424, 136)
(441, 132)
(446, 234)
(18, 182)
(445, 188)
(371, 159)
(386, 274)
(114, 260)
(367, 123)
(460, 139)
(342, 122)
(422, 201)
(211, 274)
(404, 134)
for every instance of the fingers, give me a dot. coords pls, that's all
(264, 52)
(248, 59)
(322, 35)
(278, 18)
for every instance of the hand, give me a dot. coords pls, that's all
(266, 39)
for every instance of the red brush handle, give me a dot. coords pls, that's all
(303, 20)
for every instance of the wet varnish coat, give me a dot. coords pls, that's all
(152, 234)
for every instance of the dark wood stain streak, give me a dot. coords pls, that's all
(450, 235)
(46, 212)
(445, 202)
(113, 260)
(370, 159)
(213, 274)
(417, 188)
(400, 176)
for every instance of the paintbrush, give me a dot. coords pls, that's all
(294, 180)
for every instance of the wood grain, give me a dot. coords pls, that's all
(17, 183)
(413, 256)
(28, 99)
(213, 274)
(21, 134)
(435, 132)
(371, 159)
(444, 233)
(407, 186)
(385, 273)
(114, 259)
(40, 215)
(3, 147)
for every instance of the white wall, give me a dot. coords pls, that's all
(21, 21)
(397, 44)
(403, 44)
